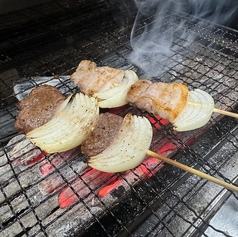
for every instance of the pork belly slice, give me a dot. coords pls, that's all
(92, 79)
(166, 100)
(38, 108)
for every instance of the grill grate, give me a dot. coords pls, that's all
(50, 40)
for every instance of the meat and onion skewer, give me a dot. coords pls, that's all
(73, 121)
(186, 110)
(62, 124)
(130, 147)
(109, 85)
(166, 100)
(71, 124)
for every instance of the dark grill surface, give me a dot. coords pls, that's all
(44, 44)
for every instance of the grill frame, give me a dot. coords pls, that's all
(115, 57)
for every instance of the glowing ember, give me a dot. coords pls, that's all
(169, 146)
(149, 165)
(56, 159)
(88, 183)
(54, 180)
(155, 123)
(36, 159)
(106, 190)
(47, 167)
(102, 184)
(22, 152)
(146, 170)
(32, 160)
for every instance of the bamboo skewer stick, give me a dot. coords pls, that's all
(219, 111)
(231, 114)
(193, 171)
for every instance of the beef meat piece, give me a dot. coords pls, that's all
(166, 100)
(38, 108)
(103, 134)
(92, 79)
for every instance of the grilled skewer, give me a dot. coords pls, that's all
(186, 110)
(130, 147)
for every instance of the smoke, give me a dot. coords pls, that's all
(160, 35)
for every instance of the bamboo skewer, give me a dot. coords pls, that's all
(219, 111)
(193, 171)
(231, 114)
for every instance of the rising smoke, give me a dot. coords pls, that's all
(159, 24)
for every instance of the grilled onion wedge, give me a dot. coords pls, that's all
(197, 112)
(116, 96)
(72, 123)
(129, 147)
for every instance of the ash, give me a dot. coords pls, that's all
(187, 210)
(33, 190)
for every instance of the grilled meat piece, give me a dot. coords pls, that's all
(38, 108)
(103, 134)
(166, 100)
(92, 79)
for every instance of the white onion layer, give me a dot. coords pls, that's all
(129, 147)
(197, 112)
(70, 126)
(116, 96)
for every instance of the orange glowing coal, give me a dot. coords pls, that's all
(155, 122)
(89, 183)
(107, 189)
(101, 184)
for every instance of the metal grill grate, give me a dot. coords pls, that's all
(50, 40)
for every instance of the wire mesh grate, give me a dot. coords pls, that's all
(44, 44)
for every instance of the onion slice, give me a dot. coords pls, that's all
(116, 96)
(128, 149)
(72, 123)
(197, 112)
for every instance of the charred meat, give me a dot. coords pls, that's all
(104, 132)
(38, 108)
